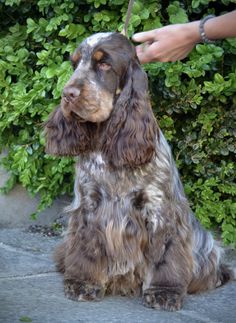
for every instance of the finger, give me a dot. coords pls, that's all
(144, 58)
(139, 49)
(142, 47)
(149, 53)
(144, 36)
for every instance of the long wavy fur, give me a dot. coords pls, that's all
(65, 136)
(131, 132)
(131, 229)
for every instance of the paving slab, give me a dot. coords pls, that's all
(32, 291)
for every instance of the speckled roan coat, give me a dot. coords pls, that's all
(131, 230)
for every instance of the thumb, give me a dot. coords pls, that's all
(144, 36)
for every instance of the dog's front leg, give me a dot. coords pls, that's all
(85, 263)
(168, 273)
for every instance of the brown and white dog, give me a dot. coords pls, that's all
(131, 230)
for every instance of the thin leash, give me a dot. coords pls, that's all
(124, 30)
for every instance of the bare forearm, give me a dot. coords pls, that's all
(221, 27)
(215, 28)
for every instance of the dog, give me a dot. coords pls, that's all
(131, 230)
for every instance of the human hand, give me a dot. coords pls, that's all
(167, 44)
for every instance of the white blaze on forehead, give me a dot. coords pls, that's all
(94, 39)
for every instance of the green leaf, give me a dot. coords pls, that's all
(25, 319)
(51, 71)
(72, 31)
(12, 2)
(177, 15)
(31, 25)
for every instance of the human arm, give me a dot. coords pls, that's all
(175, 42)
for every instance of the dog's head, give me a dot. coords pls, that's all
(99, 63)
(108, 88)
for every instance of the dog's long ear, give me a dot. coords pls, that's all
(132, 129)
(66, 137)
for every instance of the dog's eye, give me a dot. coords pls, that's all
(103, 66)
(75, 59)
(74, 65)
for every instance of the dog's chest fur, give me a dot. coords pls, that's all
(122, 204)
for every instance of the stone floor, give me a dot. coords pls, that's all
(32, 291)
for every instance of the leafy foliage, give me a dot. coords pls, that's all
(194, 100)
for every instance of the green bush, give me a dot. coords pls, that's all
(194, 100)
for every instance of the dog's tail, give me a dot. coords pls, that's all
(208, 270)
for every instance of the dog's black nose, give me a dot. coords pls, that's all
(70, 93)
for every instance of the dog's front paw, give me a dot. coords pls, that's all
(82, 291)
(164, 298)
